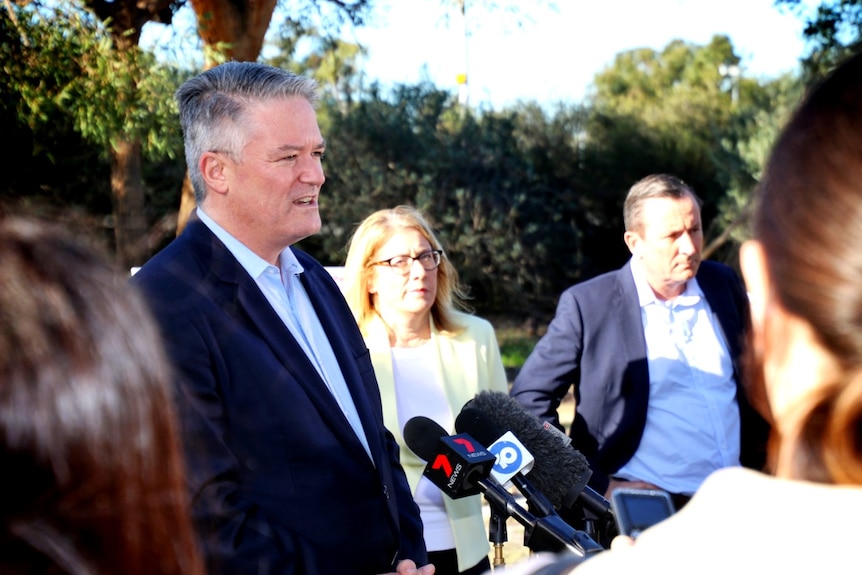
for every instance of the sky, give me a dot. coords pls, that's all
(554, 55)
(559, 46)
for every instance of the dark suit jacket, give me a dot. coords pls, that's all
(596, 343)
(280, 482)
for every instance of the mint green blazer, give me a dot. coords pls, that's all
(466, 363)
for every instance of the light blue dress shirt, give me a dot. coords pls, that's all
(693, 425)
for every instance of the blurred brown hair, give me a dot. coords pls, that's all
(94, 480)
(808, 218)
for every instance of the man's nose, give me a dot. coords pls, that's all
(687, 244)
(311, 172)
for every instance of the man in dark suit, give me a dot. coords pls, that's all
(292, 470)
(653, 352)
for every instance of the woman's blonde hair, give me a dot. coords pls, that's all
(370, 235)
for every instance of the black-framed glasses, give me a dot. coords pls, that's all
(403, 264)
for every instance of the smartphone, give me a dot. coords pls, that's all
(637, 509)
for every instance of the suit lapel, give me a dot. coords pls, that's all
(340, 329)
(461, 356)
(631, 325)
(233, 286)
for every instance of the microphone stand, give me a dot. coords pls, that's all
(549, 533)
(592, 514)
(497, 533)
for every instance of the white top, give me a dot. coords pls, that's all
(742, 521)
(418, 392)
(692, 426)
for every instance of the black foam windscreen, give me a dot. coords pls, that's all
(559, 469)
(422, 435)
(477, 424)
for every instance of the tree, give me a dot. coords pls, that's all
(38, 62)
(834, 30)
(124, 20)
(334, 63)
(782, 95)
(673, 110)
(98, 78)
(497, 187)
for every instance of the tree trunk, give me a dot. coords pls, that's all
(238, 25)
(125, 19)
(127, 190)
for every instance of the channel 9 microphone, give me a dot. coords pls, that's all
(560, 472)
(459, 465)
(513, 459)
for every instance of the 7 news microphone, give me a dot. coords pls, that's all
(460, 466)
(560, 472)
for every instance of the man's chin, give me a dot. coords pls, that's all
(298, 233)
(681, 277)
(687, 272)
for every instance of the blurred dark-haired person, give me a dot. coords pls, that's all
(430, 359)
(292, 470)
(803, 271)
(93, 478)
(653, 351)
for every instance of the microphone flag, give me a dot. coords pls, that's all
(512, 458)
(456, 465)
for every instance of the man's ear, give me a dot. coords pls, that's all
(214, 169)
(752, 262)
(632, 242)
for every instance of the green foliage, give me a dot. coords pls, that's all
(63, 64)
(48, 161)
(833, 29)
(515, 350)
(526, 200)
(489, 183)
(66, 96)
(765, 121)
(687, 118)
(334, 63)
(128, 95)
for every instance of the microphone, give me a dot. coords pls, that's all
(430, 442)
(560, 471)
(513, 459)
(454, 464)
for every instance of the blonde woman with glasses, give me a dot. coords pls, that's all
(429, 359)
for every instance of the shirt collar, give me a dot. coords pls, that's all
(250, 261)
